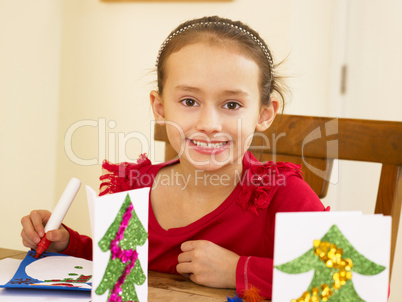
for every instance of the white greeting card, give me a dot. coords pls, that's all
(120, 245)
(334, 256)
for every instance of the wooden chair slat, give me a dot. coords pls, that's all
(361, 140)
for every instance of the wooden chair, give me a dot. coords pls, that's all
(314, 142)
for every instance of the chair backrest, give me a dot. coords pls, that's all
(314, 142)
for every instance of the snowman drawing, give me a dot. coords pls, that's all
(61, 271)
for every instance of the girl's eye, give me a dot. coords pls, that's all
(232, 105)
(189, 102)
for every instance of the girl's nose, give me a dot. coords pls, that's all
(209, 120)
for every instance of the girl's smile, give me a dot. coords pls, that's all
(208, 147)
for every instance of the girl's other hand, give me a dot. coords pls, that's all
(208, 264)
(33, 230)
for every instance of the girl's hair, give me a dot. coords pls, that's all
(217, 30)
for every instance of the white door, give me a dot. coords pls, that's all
(367, 49)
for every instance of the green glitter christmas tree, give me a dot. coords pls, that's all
(122, 238)
(324, 275)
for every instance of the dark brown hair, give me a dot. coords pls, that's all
(218, 30)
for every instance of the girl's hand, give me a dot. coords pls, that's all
(208, 264)
(33, 230)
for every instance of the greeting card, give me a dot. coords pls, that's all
(52, 271)
(334, 257)
(120, 246)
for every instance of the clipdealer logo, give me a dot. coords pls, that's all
(113, 145)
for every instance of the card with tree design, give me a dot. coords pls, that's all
(332, 257)
(120, 251)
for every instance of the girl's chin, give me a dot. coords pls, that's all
(211, 159)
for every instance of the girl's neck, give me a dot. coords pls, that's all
(182, 194)
(207, 183)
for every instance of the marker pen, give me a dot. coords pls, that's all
(59, 212)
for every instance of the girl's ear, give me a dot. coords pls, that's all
(267, 115)
(157, 107)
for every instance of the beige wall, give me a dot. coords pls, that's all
(29, 96)
(66, 63)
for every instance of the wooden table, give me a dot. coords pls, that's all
(162, 287)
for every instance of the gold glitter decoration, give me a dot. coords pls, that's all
(331, 255)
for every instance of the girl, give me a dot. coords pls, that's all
(214, 219)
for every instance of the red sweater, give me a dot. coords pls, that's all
(244, 223)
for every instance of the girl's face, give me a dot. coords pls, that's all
(211, 105)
